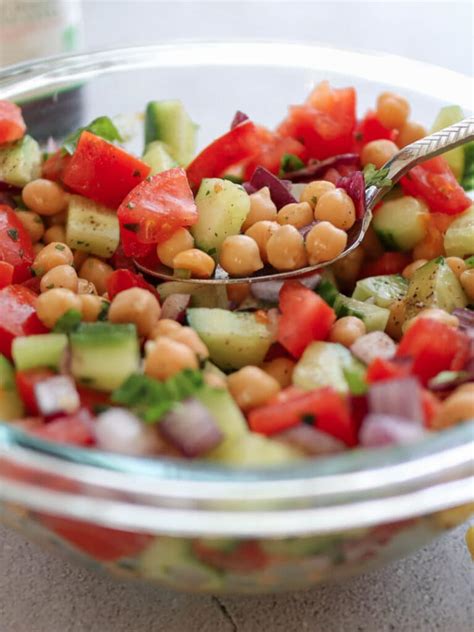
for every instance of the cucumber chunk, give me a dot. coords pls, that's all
(104, 355)
(169, 122)
(384, 289)
(447, 116)
(42, 350)
(20, 162)
(158, 157)
(401, 223)
(222, 208)
(374, 317)
(234, 339)
(459, 238)
(434, 285)
(201, 296)
(325, 364)
(91, 227)
(11, 406)
(254, 450)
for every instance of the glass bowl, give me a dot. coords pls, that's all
(195, 526)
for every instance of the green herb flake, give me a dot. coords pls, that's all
(104, 311)
(232, 178)
(469, 262)
(327, 291)
(59, 246)
(101, 126)
(376, 177)
(13, 234)
(290, 162)
(68, 322)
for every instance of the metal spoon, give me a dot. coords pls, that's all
(408, 157)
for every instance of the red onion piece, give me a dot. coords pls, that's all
(311, 441)
(270, 290)
(354, 186)
(465, 316)
(119, 430)
(57, 395)
(279, 189)
(316, 168)
(376, 344)
(305, 229)
(239, 117)
(191, 428)
(381, 430)
(174, 306)
(400, 398)
(7, 199)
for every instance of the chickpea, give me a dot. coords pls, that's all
(262, 208)
(314, 190)
(92, 306)
(412, 267)
(33, 224)
(97, 272)
(281, 369)
(325, 242)
(189, 337)
(467, 282)
(85, 287)
(392, 110)
(178, 242)
(165, 327)
(336, 207)
(431, 246)
(55, 233)
(238, 292)
(57, 219)
(410, 132)
(165, 357)
(297, 214)
(347, 330)
(61, 276)
(285, 249)
(433, 313)
(396, 319)
(466, 388)
(457, 265)
(240, 256)
(200, 264)
(53, 304)
(456, 408)
(44, 197)
(378, 152)
(261, 233)
(79, 257)
(138, 306)
(251, 387)
(52, 255)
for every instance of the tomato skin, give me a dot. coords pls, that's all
(121, 280)
(154, 210)
(227, 150)
(272, 148)
(71, 429)
(54, 166)
(12, 125)
(103, 172)
(90, 398)
(388, 263)
(15, 244)
(25, 383)
(434, 347)
(18, 316)
(369, 129)
(6, 274)
(430, 405)
(381, 369)
(325, 123)
(101, 543)
(436, 184)
(246, 557)
(329, 408)
(305, 317)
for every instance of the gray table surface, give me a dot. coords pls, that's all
(432, 590)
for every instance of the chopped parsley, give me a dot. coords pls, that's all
(376, 177)
(68, 322)
(232, 178)
(101, 126)
(13, 234)
(290, 162)
(104, 311)
(59, 247)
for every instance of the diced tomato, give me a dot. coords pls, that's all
(244, 558)
(381, 369)
(227, 150)
(33, 284)
(434, 347)
(305, 317)
(121, 280)
(72, 429)
(54, 166)
(12, 125)
(369, 129)
(154, 210)
(102, 171)
(6, 274)
(15, 244)
(430, 405)
(388, 263)
(120, 260)
(101, 543)
(271, 150)
(25, 383)
(17, 316)
(323, 407)
(436, 184)
(325, 123)
(90, 398)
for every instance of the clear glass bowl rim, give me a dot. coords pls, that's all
(355, 489)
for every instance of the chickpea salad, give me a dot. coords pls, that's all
(375, 349)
